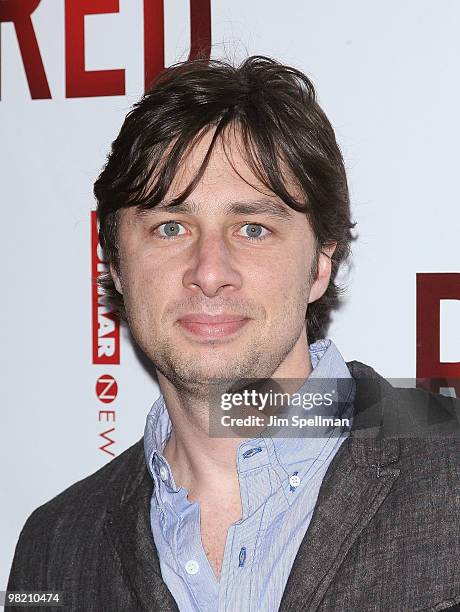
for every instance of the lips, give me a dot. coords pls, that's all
(212, 326)
(211, 319)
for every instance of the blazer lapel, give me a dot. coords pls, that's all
(128, 528)
(356, 484)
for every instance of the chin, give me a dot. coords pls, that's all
(191, 364)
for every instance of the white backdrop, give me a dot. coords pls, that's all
(388, 76)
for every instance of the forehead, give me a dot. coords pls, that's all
(227, 177)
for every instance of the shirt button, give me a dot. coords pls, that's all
(294, 481)
(163, 473)
(192, 567)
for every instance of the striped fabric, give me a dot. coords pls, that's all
(279, 481)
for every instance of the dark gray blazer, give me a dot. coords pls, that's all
(385, 533)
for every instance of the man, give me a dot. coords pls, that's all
(224, 215)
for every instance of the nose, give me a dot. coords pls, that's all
(211, 267)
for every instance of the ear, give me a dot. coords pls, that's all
(116, 279)
(323, 276)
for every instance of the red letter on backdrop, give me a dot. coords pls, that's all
(200, 35)
(154, 39)
(200, 28)
(431, 289)
(19, 12)
(105, 323)
(81, 83)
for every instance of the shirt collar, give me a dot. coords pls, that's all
(295, 452)
(286, 454)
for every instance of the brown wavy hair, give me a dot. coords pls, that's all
(274, 108)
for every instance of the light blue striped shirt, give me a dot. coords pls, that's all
(279, 480)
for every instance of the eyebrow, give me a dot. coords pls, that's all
(263, 206)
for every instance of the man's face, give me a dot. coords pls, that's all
(219, 287)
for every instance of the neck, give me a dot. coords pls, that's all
(203, 465)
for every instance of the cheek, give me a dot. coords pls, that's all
(282, 289)
(287, 273)
(146, 289)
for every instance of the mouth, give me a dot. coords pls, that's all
(212, 327)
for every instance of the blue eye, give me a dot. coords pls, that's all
(254, 231)
(170, 229)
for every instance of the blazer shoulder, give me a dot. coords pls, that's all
(433, 414)
(70, 526)
(429, 428)
(425, 422)
(89, 497)
(418, 402)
